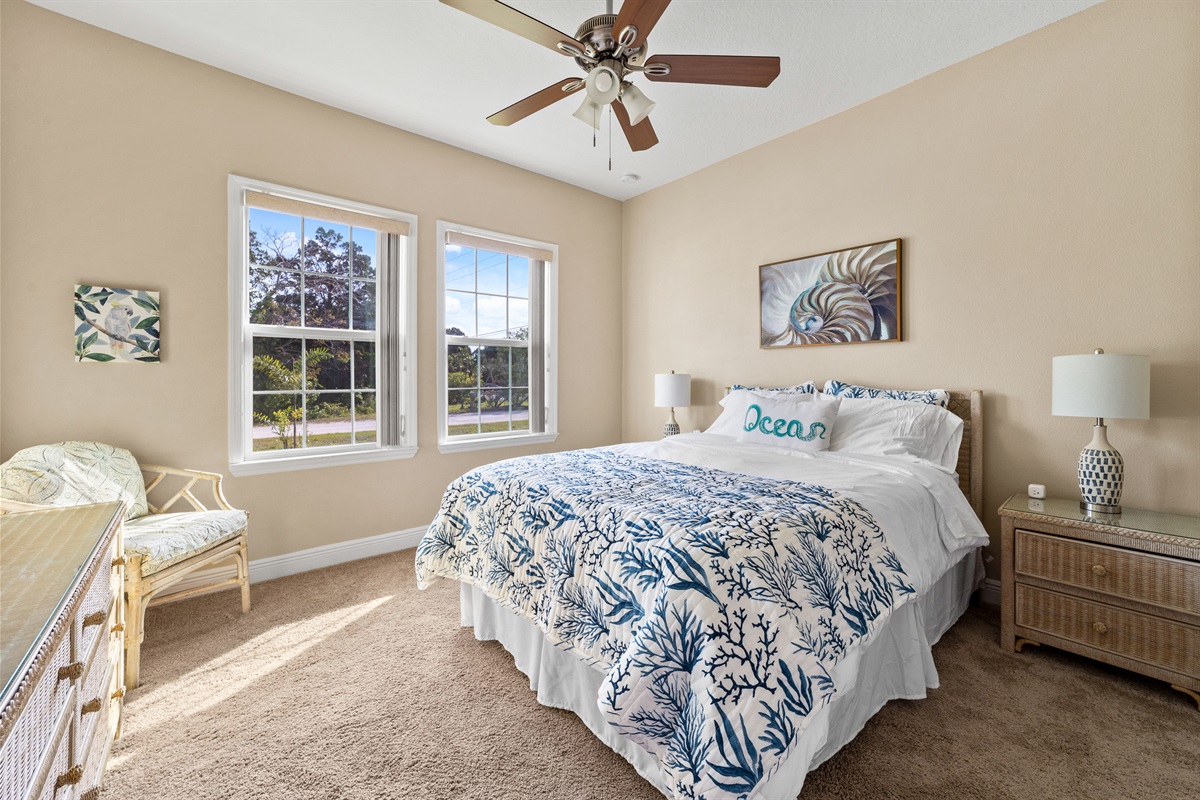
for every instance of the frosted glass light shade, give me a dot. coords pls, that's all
(673, 390)
(1102, 385)
(588, 112)
(637, 104)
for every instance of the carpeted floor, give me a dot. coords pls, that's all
(348, 683)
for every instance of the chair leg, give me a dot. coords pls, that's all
(243, 568)
(135, 616)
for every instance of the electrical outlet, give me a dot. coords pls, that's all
(1036, 505)
(1037, 491)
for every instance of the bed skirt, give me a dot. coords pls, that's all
(896, 663)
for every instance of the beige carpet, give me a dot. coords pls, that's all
(349, 683)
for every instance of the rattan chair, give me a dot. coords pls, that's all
(162, 547)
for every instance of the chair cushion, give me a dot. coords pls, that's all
(164, 539)
(73, 474)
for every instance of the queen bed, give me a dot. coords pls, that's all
(724, 614)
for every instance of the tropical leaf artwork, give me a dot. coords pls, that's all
(116, 325)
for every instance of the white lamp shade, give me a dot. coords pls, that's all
(637, 104)
(588, 112)
(1101, 385)
(673, 390)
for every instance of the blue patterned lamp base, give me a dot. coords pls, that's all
(672, 427)
(1101, 475)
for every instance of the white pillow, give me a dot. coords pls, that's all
(808, 387)
(734, 408)
(897, 427)
(797, 422)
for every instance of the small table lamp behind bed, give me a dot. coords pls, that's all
(672, 391)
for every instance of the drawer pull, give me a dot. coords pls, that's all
(119, 693)
(95, 618)
(120, 626)
(91, 794)
(90, 707)
(71, 672)
(69, 778)
(1099, 627)
(1099, 571)
(119, 561)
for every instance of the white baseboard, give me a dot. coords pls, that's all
(266, 569)
(989, 592)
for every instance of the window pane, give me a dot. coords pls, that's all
(274, 239)
(493, 366)
(493, 317)
(494, 405)
(326, 302)
(365, 246)
(492, 272)
(460, 314)
(462, 367)
(518, 319)
(518, 276)
(274, 297)
(277, 422)
(460, 268)
(520, 409)
(462, 412)
(364, 305)
(329, 419)
(276, 364)
(326, 247)
(364, 365)
(328, 364)
(364, 417)
(520, 366)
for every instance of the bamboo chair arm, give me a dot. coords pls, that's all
(194, 476)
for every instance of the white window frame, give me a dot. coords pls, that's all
(484, 441)
(242, 458)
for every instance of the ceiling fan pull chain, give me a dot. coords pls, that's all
(610, 140)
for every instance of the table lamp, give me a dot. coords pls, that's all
(672, 391)
(1100, 386)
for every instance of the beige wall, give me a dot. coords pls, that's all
(115, 161)
(1048, 195)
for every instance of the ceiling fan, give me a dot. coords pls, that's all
(611, 49)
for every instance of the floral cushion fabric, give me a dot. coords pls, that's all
(164, 539)
(73, 474)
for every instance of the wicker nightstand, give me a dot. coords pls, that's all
(1123, 589)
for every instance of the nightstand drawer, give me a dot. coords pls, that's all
(1145, 577)
(1152, 640)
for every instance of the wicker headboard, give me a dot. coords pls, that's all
(969, 406)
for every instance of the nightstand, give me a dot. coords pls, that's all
(1121, 588)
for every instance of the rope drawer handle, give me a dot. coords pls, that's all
(71, 672)
(120, 626)
(95, 618)
(119, 693)
(1099, 627)
(91, 794)
(119, 561)
(69, 778)
(1099, 571)
(90, 707)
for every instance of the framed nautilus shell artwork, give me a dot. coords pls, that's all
(841, 297)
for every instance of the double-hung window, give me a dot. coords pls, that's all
(322, 333)
(496, 349)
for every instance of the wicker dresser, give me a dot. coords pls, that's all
(1123, 589)
(61, 650)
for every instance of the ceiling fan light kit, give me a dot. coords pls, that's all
(610, 48)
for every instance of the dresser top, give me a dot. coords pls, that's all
(45, 553)
(1134, 520)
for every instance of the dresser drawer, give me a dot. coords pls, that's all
(1157, 580)
(96, 612)
(1152, 640)
(56, 776)
(26, 746)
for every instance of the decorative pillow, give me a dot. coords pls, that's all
(73, 474)
(808, 387)
(798, 422)
(897, 427)
(933, 397)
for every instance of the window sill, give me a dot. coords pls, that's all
(263, 466)
(489, 443)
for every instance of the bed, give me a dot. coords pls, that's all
(723, 615)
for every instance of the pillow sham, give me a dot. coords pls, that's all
(808, 387)
(897, 427)
(797, 422)
(935, 397)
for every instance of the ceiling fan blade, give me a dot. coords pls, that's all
(514, 21)
(641, 14)
(757, 71)
(640, 136)
(536, 102)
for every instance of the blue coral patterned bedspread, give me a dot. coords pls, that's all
(716, 602)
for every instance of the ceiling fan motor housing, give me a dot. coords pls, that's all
(597, 35)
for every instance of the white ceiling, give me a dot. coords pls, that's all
(430, 69)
